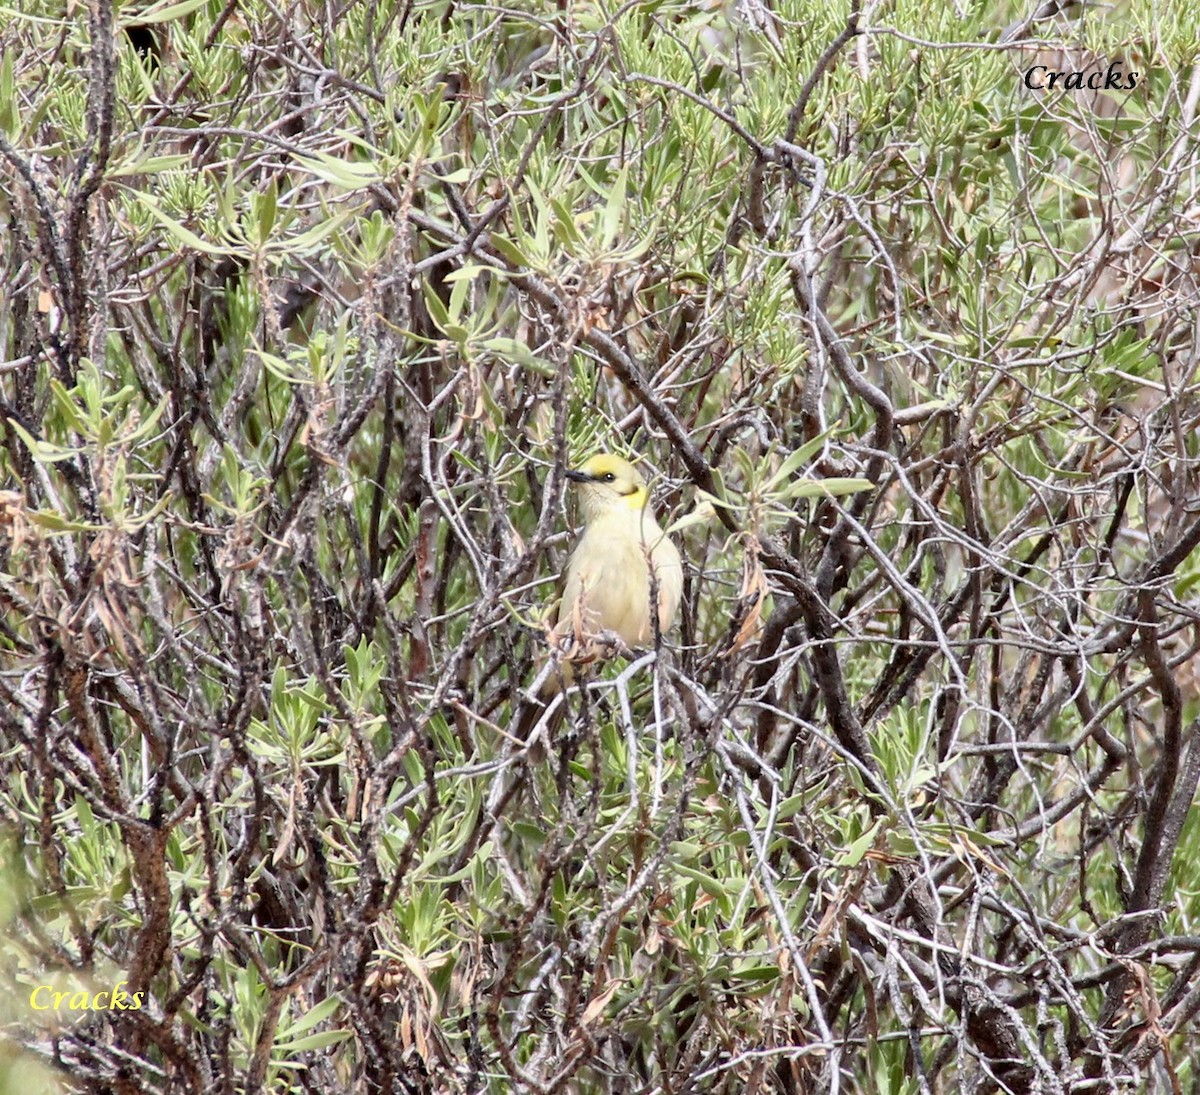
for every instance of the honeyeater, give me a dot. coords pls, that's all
(608, 587)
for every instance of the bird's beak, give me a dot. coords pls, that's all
(579, 477)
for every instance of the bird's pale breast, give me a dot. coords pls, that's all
(608, 579)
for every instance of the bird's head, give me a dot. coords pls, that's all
(606, 482)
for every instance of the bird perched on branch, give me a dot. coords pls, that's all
(623, 572)
(608, 586)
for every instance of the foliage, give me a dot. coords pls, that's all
(305, 312)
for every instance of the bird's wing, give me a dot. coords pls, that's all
(668, 573)
(608, 583)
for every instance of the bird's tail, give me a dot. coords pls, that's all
(533, 710)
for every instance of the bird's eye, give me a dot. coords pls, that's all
(609, 477)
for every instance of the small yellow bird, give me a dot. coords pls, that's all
(608, 585)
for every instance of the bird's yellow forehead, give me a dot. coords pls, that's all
(603, 463)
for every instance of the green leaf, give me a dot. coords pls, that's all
(469, 272)
(710, 885)
(313, 1041)
(860, 847)
(149, 165)
(509, 249)
(512, 349)
(70, 409)
(184, 235)
(164, 14)
(307, 241)
(757, 973)
(614, 209)
(8, 95)
(434, 306)
(318, 1013)
(43, 452)
(833, 488)
(800, 457)
(150, 422)
(342, 173)
(268, 209)
(55, 522)
(458, 298)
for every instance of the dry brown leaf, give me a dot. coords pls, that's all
(751, 598)
(599, 1003)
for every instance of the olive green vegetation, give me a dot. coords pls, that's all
(304, 312)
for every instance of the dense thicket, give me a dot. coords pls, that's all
(304, 311)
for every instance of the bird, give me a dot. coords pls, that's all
(608, 584)
(608, 579)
